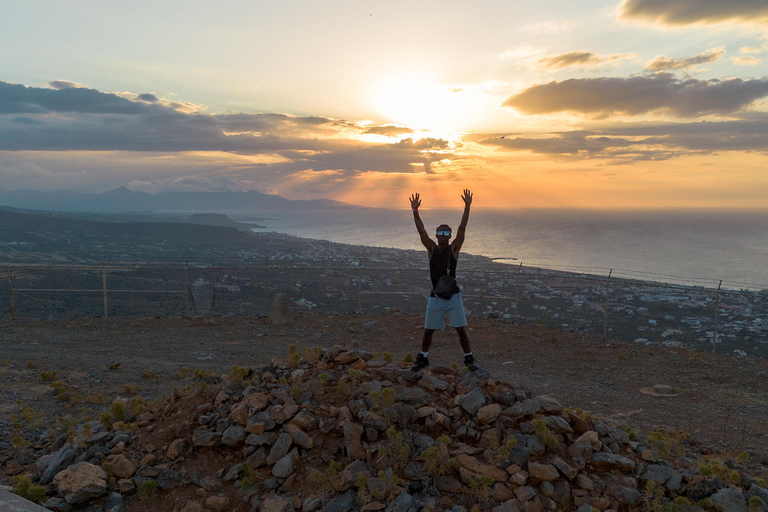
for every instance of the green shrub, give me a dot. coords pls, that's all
(48, 375)
(118, 410)
(23, 486)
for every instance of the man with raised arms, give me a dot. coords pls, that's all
(443, 256)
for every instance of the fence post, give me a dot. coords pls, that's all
(605, 307)
(10, 294)
(186, 287)
(104, 287)
(359, 290)
(517, 285)
(266, 289)
(717, 310)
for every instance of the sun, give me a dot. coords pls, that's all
(417, 101)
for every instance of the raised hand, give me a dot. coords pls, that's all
(467, 197)
(415, 201)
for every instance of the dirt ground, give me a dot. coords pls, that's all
(721, 401)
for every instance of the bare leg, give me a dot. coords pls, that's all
(464, 339)
(426, 341)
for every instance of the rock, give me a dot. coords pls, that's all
(348, 477)
(279, 449)
(402, 503)
(729, 500)
(299, 436)
(624, 495)
(559, 425)
(311, 504)
(610, 461)
(370, 419)
(373, 506)
(449, 485)
(472, 401)
(81, 482)
(662, 474)
(276, 503)
(433, 384)
(218, 503)
(285, 466)
(502, 492)
(525, 493)
(192, 506)
(584, 482)
(542, 472)
(343, 503)
(126, 486)
(176, 449)
(206, 482)
(567, 471)
(527, 407)
(205, 437)
(406, 394)
(114, 503)
(122, 467)
(168, 479)
(56, 504)
(248, 406)
(304, 420)
(261, 439)
(62, 459)
(549, 404)
(473, 465)
(402, 414)
(353, 440)
(233, 435)
(488, 414)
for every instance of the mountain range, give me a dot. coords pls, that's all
(121, 200)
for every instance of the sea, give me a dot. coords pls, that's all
(691, 247)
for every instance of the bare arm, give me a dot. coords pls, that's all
(428, 242)
(459, 240)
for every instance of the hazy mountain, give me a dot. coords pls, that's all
(125, 200)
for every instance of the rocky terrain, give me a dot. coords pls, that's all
(333, 429)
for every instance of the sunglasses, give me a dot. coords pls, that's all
(443, 233)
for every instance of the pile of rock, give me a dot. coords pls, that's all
(349, 431)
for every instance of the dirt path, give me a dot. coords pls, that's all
(721, 401)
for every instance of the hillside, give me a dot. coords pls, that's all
(600, 383)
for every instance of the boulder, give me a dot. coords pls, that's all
(114, 503)
(353, 440)
(279, 449)
(611, 461)
(542, 472)
(488, 413)
(81, 482)
(728, 500)
(248, 406)
(299, 436)
(60, 461)
(233, 435)
(218, 503)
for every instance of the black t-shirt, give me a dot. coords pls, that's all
(438, 263)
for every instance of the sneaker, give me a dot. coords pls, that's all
(469, 362)
(421, 363)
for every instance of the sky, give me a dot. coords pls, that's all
(590, 104)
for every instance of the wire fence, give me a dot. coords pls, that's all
(645, 312)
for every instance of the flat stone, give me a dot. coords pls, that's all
(353, 442)
(285, 467)
(549, 404)
(276, 503)
(279, 449)
(205, 437)
(11, 503)
(472, 401)
(299, 436)
(473, 465)
(168, 479)
(343, 503)
(218, 503)
(608, 461)
(432, 383)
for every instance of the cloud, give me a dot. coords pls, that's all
(17, 98)
(662, 63)
(645, 141)
(63, 84)
(687, 12)
(148, 97)
(746, 61)
(661, 92)
(580, 58)
(388, 131)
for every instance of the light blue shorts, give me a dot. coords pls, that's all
(438, 308)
